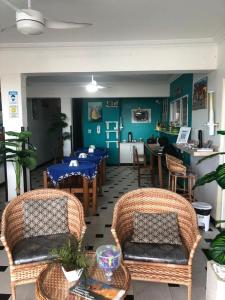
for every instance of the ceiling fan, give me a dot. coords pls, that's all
(93, 86)
(32, 22)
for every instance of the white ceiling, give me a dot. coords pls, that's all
(122, 20)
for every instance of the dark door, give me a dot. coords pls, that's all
(77, 124)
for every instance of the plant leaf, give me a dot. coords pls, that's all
(217, 248)
(210, 156)
(221, 132)
(220, 175)
(206, 179)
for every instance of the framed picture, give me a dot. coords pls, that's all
(200, 94)
(141, 115)
(183, 135)
(94, 111)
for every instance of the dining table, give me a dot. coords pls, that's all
(87, 170)
(91, 158)
(102, 153)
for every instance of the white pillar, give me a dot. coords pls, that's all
(14, 119)
(66, 108)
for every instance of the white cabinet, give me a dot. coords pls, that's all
(126, 151)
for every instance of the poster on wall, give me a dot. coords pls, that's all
(13, 104)
(141, 115)
(200, 94)
(94, 111)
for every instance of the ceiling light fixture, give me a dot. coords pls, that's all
(93, 87)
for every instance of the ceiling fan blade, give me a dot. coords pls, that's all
(101, 87)
(64, 25)
(8, 3)
(8, 28)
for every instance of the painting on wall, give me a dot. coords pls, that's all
(141, 115)
(94, 111)
(200, 94)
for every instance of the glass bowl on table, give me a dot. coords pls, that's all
(108, 259)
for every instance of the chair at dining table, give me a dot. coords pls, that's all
(76, 185)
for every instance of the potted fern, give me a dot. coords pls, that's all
(216, 268)
(72, 258)
(18, 150)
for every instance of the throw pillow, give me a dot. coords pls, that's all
(45, 217)
(157, 228)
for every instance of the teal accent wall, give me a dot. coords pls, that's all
(180, 87)
(108, 114)
(123, 113)
(140, 130)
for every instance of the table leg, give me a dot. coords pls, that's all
(160, 171)
(85, 195)
(94, 196)
(104, 170)
(152, 168)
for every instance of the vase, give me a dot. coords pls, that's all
(73, 275)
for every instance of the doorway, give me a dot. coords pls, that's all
(77, 111)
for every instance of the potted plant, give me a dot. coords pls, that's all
(18, 150)
(72, 258)
(57, 126)
(215, 287)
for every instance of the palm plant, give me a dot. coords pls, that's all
(57, 126)
(19, 151)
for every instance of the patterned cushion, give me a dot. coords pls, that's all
(45, 217)
(155, 228)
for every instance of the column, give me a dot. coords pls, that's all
(14, 118)
(66, 108)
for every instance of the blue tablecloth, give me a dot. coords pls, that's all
(91, 158)
(59, 171)
(102, 152)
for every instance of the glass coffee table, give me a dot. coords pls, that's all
(52, 284)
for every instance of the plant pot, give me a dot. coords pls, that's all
(73, 275)
(215, 286)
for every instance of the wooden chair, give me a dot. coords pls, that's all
(179, 171)
(136, 160)
(13, 223)
(152, 200)
(141, 158)
(77, 185)
(171, 158)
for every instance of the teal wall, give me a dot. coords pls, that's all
(108, 114)
(180, 87)
(140, 130)
(144, 130)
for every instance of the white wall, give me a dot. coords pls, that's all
(211, 193)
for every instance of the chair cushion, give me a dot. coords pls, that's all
(156, 228)
(37, 249)
(157, 253)
(45, 217)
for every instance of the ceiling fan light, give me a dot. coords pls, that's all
(90, 88)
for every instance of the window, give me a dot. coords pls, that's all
(179, 111)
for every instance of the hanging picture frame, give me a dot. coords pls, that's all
(200, 94)
(141, 115)
(94, 111)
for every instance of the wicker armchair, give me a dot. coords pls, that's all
(152, 200)
(13, 225)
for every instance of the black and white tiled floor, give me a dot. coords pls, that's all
(119, 181)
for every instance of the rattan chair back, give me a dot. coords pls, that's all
(13, 227)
